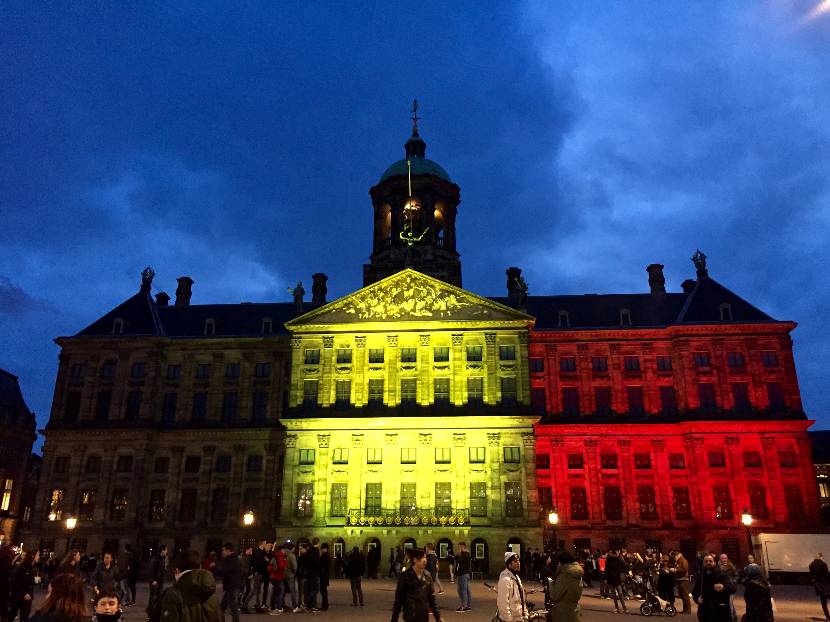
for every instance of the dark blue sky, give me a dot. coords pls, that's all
(236, 143)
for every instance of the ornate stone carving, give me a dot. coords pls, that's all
(582, 348)
(328, 342)
(459, 439)
(391, 439)
(323, 440)
(528, 440)
(647, 348)
(357, 440)
(615, 348)
(490, 339)
(493, 439)
(550, 348)
(659, 445)
(457, 340)
(392, 341)
(425, 439)
(768, 442)
(523, 338)
(296, 343)
(733, 441)
(360, 341)
(290, 440)
(557, 442)
(424, 340)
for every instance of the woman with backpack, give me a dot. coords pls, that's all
(276, 576)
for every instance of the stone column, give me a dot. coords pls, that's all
(457, 378)
(491, 360)
(295, 396)
(321, 481)
(391, 359)
(424, 375)
(359, 371)
(496, 511)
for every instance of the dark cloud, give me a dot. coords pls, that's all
(15, 301)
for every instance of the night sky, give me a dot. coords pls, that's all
(236, 143)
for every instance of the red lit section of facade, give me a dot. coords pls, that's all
(663, 437)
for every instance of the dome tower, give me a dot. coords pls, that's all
(415, 204)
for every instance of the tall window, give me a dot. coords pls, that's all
(538, 400)
(157, 507)
(545, 496)
(223, 463)
(73, 406)
(636, 404)
(648, 502)
(567, 363)
(56, 504)
(478, 498)
(508, 391)
(232, 370)
(441, 354)
(124, 464)
(701, 359)
(219, 505)
(474, 354)
(677, 461)
(758, 501)
(61, 464)
(608, 461)
(339, 499)
(118, 506)
(542, 461)
(192, 464)
(537, 364)
(706, 394)
(478, 455)
(409, 391)
(203, 371)
(602, 397)
(86, 504)
(442, 391)
(443, 498)
(305, 500)
(108, 369)
(307, 456)
(717, 459)
(642, 461)
(631, 363)
(259, 406)
(475, 391)
(93, 464)
(409, 455)
(512, 455)
(373, 499)
(740, 397)
(230, 402)
(408, 501)
(137, 371)
(409, 355)
(344, 356)
(664, 363)
(310, 393)
(253, 463)
(769, 358)
(102, 405)
(340, 455)
(262, 370)
(6, 500)
(174, 372)
(786, 459)
(168, 407)
(612, 498)
(507, 353)
(576, 462)
(513, 499)
(133, 405)
(775, 395)
(199, 412)
(752, 459)
(723, 502)
(342, 393)
(579, 503)
(312, 357)
(735, 360)
(376, 355)
(443, 455)
(681, 503)
(374, 455)
(794, 502)
(599, 363)
(161, 465)
(376, 392)
(668, 401)
(570, 401)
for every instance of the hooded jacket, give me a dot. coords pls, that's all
(510, 597)
(192, 599)
(565, 593)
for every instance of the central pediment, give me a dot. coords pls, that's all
(409, 296)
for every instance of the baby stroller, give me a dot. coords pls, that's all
(655, 604)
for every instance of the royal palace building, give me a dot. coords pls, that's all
(414, 411)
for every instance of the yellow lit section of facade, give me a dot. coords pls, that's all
(409, 420)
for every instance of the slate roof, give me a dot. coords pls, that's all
(13, 409)
(821, 446)
(143, 317)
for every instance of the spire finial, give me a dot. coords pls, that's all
(415, 117)
(699, 259)
(147, 278)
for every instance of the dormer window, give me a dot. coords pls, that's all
(725, 312)
(210, 327)
(267, 326)
(118, 326)
(564, 319)
(625, 317)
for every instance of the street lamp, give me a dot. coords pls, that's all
(248, 518)
(746, 520)
(553, 520)
(70, 524)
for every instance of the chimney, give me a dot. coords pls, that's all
(688, 286)
(516, 289)
(656, 280)
(162, 299)
(183, 291)
(298, 294)
(318, 289)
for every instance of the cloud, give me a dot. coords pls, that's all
(15, 301)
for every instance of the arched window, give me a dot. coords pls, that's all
(725, 312)
(210, 327)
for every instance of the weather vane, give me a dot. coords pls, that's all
(415, 117)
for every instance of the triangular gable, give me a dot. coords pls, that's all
(413, 297)
(138, 313)
(703, 305)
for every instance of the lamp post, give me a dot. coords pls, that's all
(70, 523)
(746, 519)
(248, 518)
(553, 520)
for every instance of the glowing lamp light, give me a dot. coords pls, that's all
(248, 518)
(71, 522)
(553, 518)
(53, 516)
(746, 518)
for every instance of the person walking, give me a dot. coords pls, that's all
(355, 567)
(680, 571)
(820, 576)
(66, 600)
(451, 564)
(158, 574)
(415, 592)
(566, 589)
(463, 571)
(106, 578)
(229, 570)
(712, 591)
(192, 598)
(510, 593)
(247, 577)
(757, 596)
(23, 586)
(325, 573)
(129, 575)
(432, 566)
(615, 570)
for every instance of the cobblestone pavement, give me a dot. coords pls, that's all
(792, 603)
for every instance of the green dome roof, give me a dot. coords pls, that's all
(420, 166)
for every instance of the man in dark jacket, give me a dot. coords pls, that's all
(355, 567)
(373, 561)
(259, 566)
(415, 594)
(680, 570)
(463, 571)
(312, 575)
(325, 573)
(193, 596)
(712, 592)
(820, 575)
(230, 570)
(158, 574)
